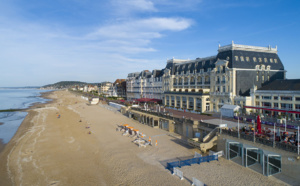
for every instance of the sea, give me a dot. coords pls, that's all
(16, 98)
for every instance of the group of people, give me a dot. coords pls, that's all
(283, 137)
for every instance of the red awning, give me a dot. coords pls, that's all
(147, 100)
(275, 110)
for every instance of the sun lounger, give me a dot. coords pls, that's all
(125, 133)
(142, 135)
(144, 145)
(138, 140)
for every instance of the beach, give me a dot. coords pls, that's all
(53, 147)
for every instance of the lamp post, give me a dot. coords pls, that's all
(253, 131)
(285, 123)
(238, 125)
(274, 137)
(298, 141)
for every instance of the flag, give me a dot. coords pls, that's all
(258, 125)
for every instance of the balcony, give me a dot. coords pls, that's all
(207, 82)
(192, 83)
(186, 83)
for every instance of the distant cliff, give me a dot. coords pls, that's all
(64, 84)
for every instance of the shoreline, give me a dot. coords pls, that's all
(6, 148)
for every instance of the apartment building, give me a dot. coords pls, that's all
(145, 84)
(280, 97)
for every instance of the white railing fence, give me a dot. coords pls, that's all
(197, 182)
(197, 155)
(178, 173)
(220, 153)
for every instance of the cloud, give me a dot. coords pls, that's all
(143, 28)
(134, 5)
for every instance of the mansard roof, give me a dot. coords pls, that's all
(283, 85)
(238, 56)
(237, 59)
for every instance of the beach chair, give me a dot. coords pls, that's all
(138, 140)
(142, 135)
(144, 145)
(125, 133)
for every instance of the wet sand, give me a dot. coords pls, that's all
(52, 150)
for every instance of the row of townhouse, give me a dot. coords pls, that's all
(116, 89)
(237, 75)
(108, 89)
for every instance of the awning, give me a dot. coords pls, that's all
(275, 110)
(148, 100)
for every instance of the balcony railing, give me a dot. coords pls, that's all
(267, 142)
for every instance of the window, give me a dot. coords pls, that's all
(271, 60)
(275, 105)
(259, 59)
(266, 104)
(297, 106)
(257, 78)
(227, 58)
(263, 78)
(275, 60)
(247, 59)
(266, 97)
(236, 58)
(268, 78)
(224, 89)
(275, 97)
(266, 60)
(254, 59)
(286, 98)
(297, 98)
(286, 106)
(242, 58)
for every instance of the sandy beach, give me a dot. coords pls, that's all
(52, 150)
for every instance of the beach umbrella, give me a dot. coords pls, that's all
(258, 125)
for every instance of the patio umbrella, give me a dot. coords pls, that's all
(258, 125)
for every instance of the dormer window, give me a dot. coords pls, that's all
(227, 58)
(254, 59)
(271, 60)
(242, 58)
(236, 58)
(275, 60)
(266, 60)
(247, 59)
(260, 59)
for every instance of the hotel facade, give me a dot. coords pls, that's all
(206, 84)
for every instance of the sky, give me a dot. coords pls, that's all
(43, 42)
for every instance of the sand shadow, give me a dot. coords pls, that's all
(182, 143)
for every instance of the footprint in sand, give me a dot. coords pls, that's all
(70, 140)
(54, 183)
(27, 152)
